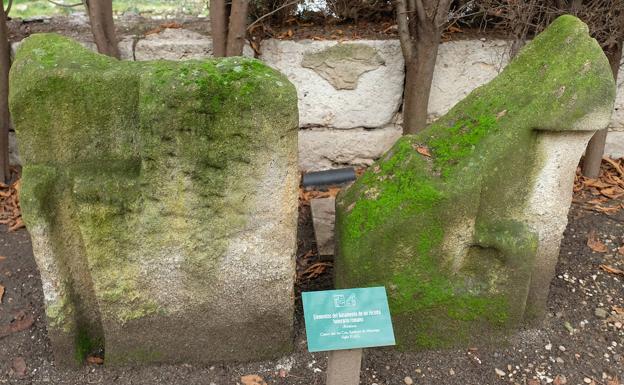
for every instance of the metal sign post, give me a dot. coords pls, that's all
(343, 322)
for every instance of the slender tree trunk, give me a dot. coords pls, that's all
(218, 25)
(420, 24)
(595, 148)
(5, 120)
(418, 80)
(237, 28)
(102, 25)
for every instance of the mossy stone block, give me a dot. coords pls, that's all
(462, 222)
(161, 198)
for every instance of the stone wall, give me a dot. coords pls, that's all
(350, 92)
(354, 127)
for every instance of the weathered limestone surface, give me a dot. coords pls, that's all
(336, 99)
(618, 115)
(462, 66)
(177, 44)
(321, 149)
(161, 198)
(462, 222)
(168, 44)
(323, 218)
(377, 94)
(343, 64)
(615, 144)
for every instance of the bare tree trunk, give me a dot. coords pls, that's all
(102, 25)
(420, 24)
(418, 79)
(595, 148)
(237, 29)
(5, 120)
(218, 25)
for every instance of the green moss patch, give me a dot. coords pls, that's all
(141, 172)
(436, 219)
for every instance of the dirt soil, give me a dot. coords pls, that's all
(576, 343)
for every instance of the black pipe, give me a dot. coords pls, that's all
(328, 177)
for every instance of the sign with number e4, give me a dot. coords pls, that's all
(347, 319)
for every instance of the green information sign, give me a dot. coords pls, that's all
(347, 319)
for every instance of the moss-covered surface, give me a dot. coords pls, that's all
(140, 171)
(437, 219)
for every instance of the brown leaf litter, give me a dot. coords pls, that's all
(605, 193)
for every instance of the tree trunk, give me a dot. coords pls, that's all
(595, 148)
(237, 28)
(5, 120)
(103, 27)
(218, 27)
(418, 78)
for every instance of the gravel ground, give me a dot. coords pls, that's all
(576, 343)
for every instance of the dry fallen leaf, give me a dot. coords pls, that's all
(252, 379)
(1, 293)
(616, 165)
(615, 381)
(595, 183)
(19, 367)
(607, 210)
(612, 192)
(501, 114)
(422, 150)
(95, 360)
(616, 319)
(9, 203)
(611, 269)
(172, 25)
(305, 196)
(533, 381)
(315, 270)
(560, 380)
(17, 185)
(595, 244)
(153, 31)
(618, 309)
(621, 250)
(22, 321)
(17, 225)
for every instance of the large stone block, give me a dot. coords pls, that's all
(175, 44)
(161, 198)
(462, 66)
(341, 85)
(617, 122)
(462, 222)
(615, 144)
(321, 149)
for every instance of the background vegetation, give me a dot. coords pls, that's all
(163, 8)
